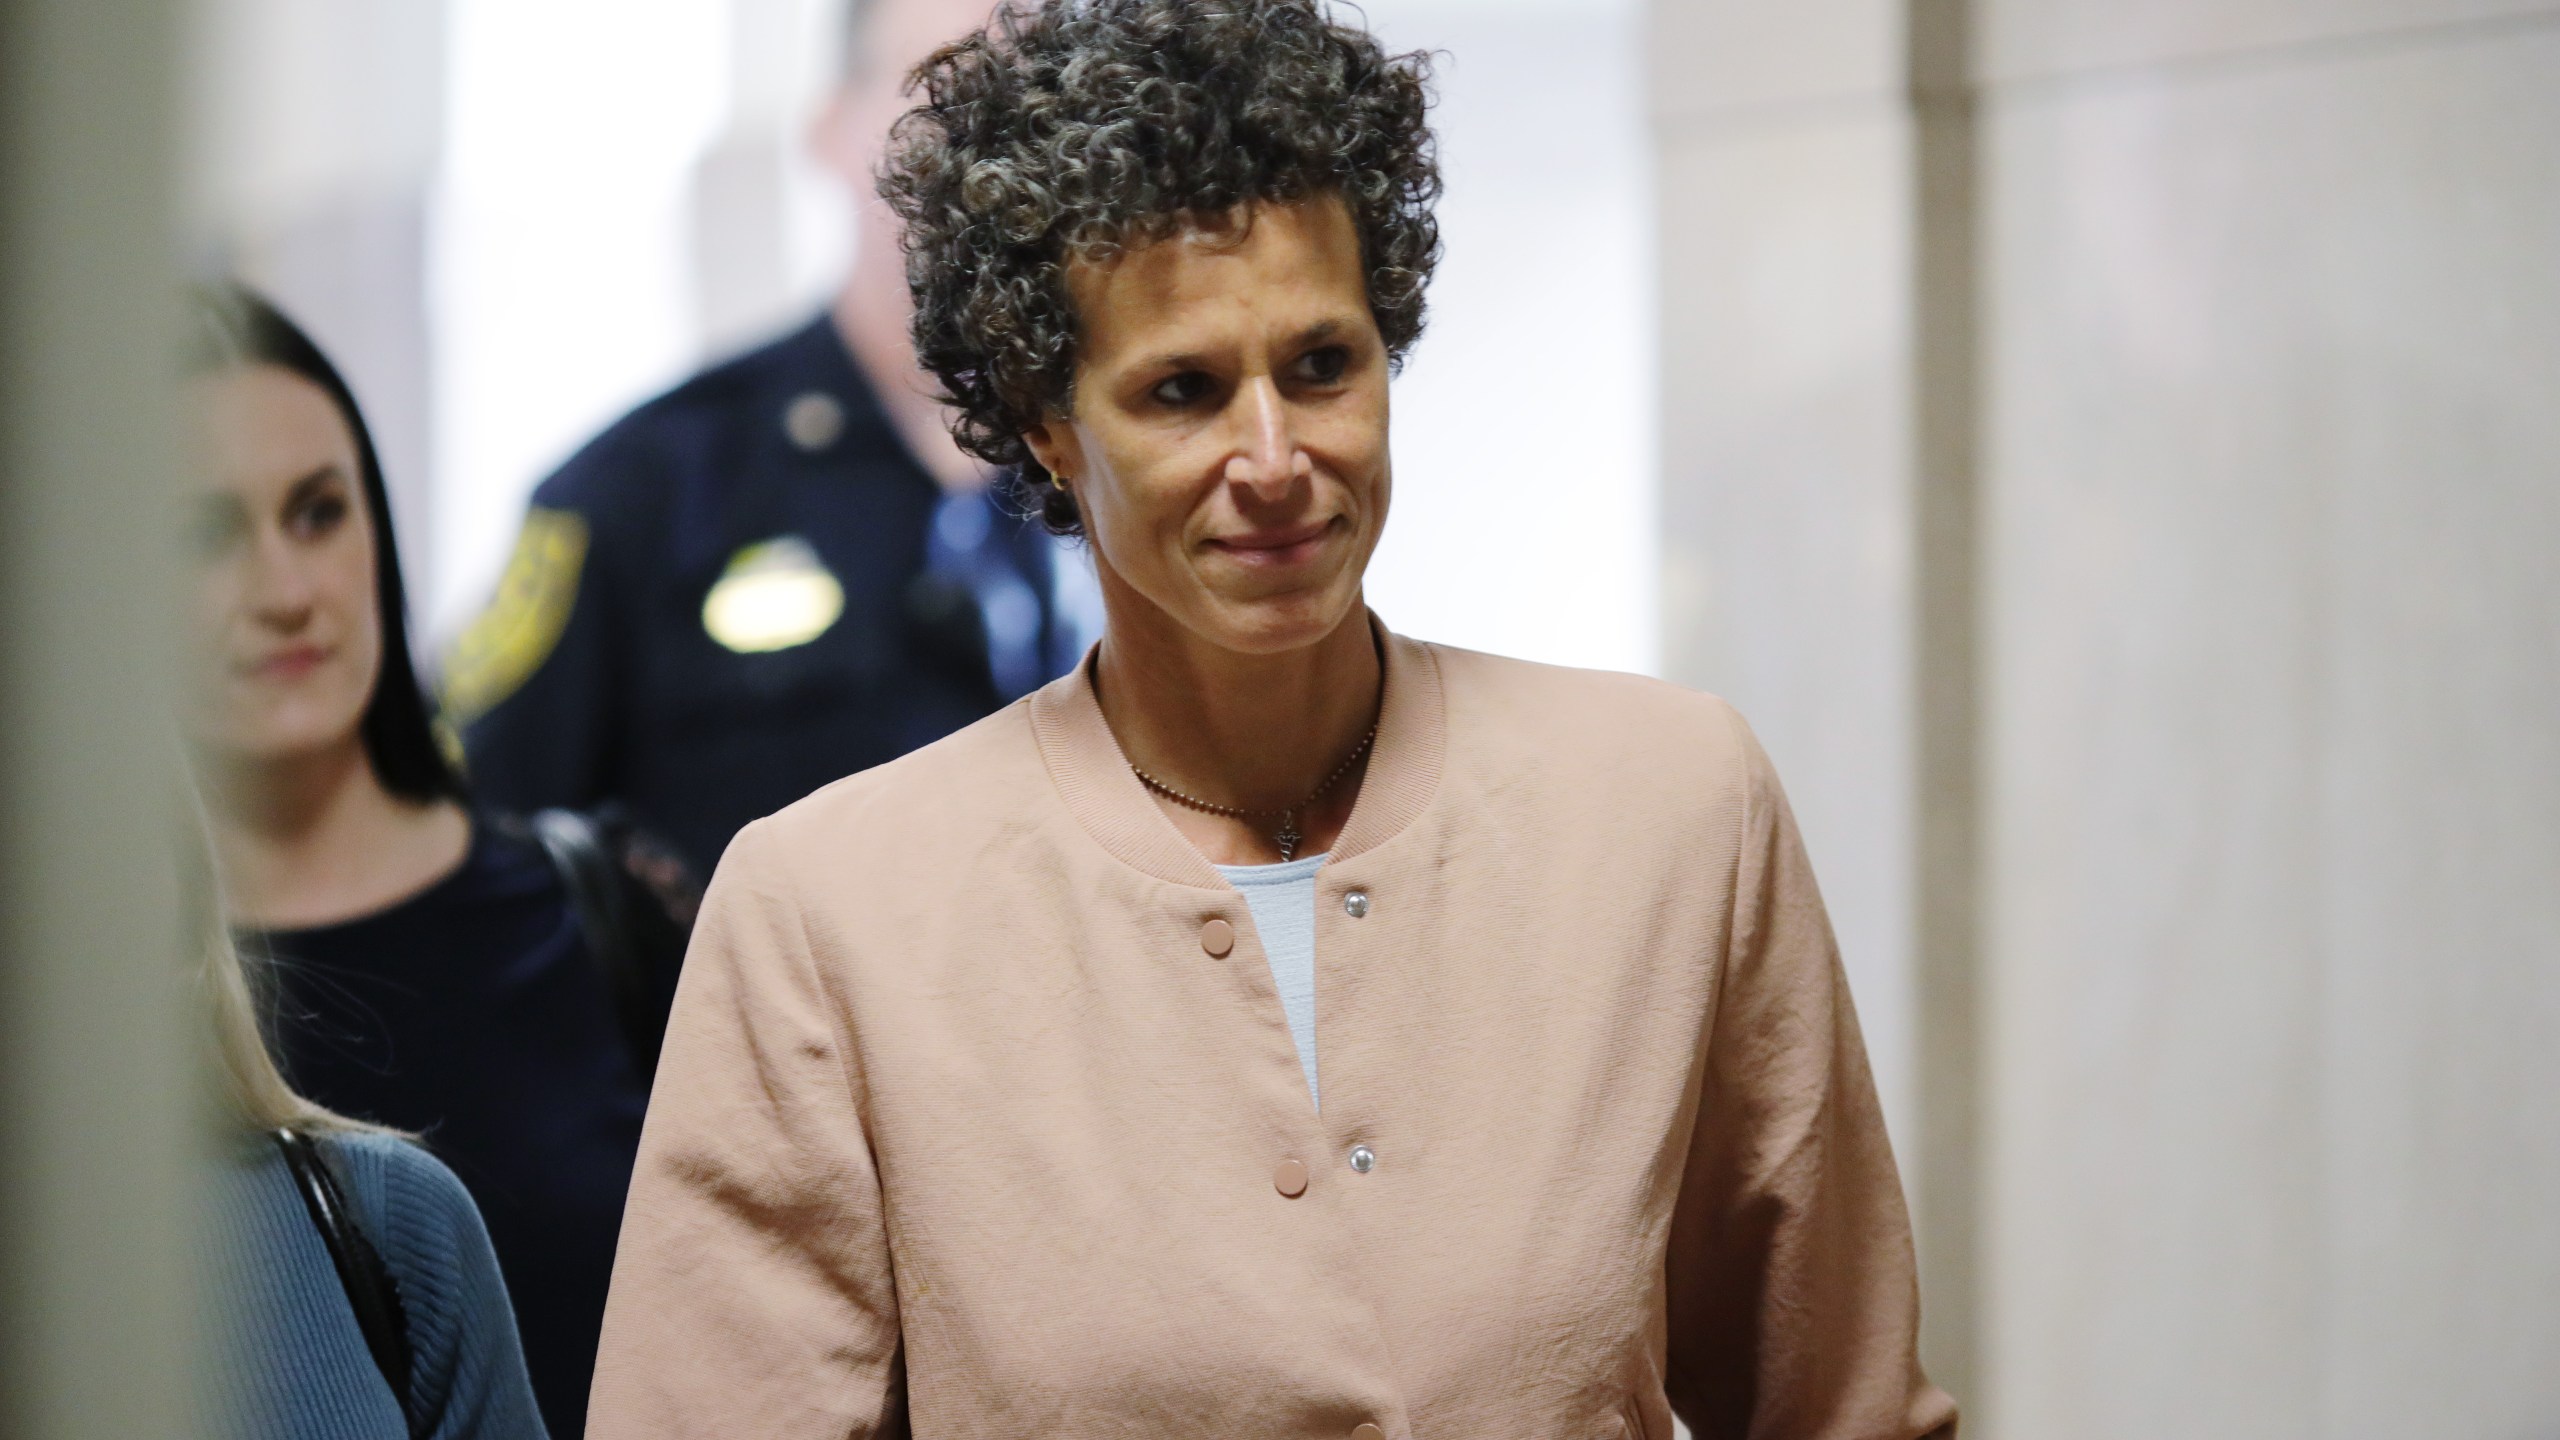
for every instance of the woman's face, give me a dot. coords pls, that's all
(287, 634)
(1228, 440)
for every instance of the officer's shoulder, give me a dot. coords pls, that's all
(658, 438)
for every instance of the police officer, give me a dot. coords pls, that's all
(778, 573)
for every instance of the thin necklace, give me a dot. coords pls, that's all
(1286, 835)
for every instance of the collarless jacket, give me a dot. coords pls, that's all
(980, 1117)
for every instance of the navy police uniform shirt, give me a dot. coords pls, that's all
(744, 590)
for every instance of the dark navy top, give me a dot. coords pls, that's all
(472, 1015)
(292, 1362)
(607, 671)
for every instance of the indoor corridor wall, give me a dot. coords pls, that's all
(2110, 452)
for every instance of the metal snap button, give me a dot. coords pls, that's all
(1355, 903)
(1363, 1159)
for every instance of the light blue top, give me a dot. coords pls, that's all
(293, 1363)
(1283, 901)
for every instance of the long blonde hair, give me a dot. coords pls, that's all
(234, 1003)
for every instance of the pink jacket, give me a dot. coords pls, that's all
(980, 1116)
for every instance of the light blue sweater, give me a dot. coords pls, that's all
(291, 1363)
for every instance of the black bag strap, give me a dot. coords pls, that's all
(601, 895)
(372, 1290)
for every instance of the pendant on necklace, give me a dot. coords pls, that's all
(1287, 837)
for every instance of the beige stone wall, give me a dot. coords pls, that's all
(2245, 1119)
(2272, 479)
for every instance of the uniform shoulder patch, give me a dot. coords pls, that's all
(524, 621)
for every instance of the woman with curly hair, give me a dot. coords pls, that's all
(1279, 1026)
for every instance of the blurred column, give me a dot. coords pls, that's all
(96, 1040)
(1946, 867)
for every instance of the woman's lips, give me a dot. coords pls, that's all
(1277, 549)
(289, 664)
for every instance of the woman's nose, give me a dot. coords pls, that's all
(280, 589)
(1267, 457)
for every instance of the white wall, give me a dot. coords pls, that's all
(1524, 438)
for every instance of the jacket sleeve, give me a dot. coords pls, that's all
(1793, 1302)
(752, 1292)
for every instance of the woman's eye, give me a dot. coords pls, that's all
(1188, 388)
(1325, 366)
(318, 515)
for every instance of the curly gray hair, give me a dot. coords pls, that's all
(1075, 129)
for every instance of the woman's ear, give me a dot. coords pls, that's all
(1055, 444)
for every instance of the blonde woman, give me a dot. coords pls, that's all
(365, 1299)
